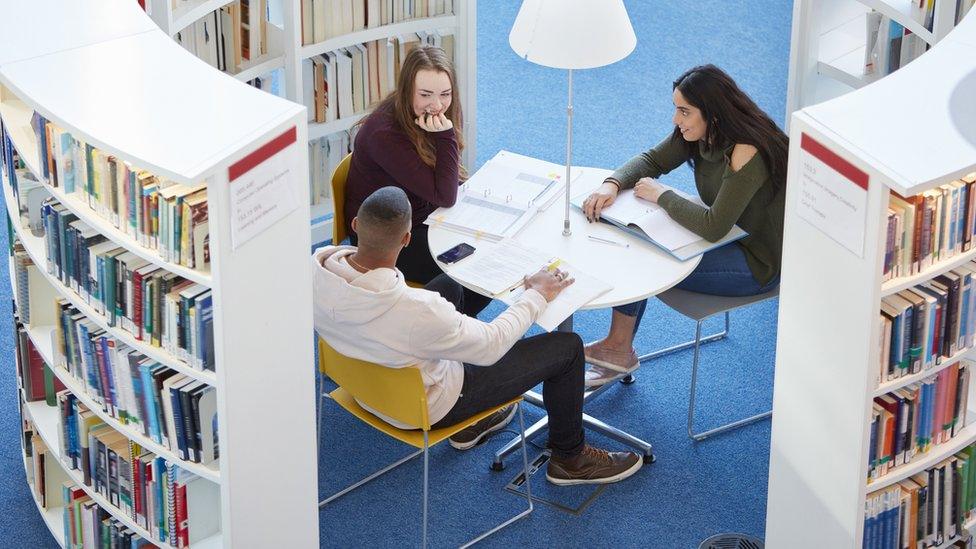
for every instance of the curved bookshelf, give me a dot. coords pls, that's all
(35, 248)
(842, 52)
(45, 420)
(16, 117)
(896, 384)
(274, 59)
(924, 461)
(376, 33)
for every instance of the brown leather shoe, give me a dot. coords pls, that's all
(470, 436)
(592, 466)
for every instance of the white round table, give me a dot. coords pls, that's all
(638, 271)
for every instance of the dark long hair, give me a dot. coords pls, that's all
(400, 101)
(732, 118)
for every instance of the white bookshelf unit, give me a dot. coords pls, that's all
(287, 52)
(829, 38)
(908, 132)
(199, 127)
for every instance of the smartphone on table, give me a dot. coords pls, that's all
(457, 253)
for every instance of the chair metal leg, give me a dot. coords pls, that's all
(688, 344)
(691, 401)
(379, 473)
(528, 488)
(426, 464)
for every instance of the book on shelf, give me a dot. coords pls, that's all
(325, 19)
(927, 509)
(650, 222)
(135, 481)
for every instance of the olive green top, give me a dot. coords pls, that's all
(745, 197)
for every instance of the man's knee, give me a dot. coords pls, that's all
(572, 343)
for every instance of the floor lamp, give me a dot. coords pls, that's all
(572, 34)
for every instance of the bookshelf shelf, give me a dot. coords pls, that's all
(35, 248)
(375, 33)
(45, 419)
(924, 461)
(896, 384)
(896, 285)
(323, 129)
(199, 128)
(53, 517)
(828, 351)
(274, 59)
(842, 52)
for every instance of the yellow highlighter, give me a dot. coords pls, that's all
(555, 263)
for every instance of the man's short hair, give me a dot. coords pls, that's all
(383, 218)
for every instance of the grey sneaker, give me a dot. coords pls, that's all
(620, 361)
(470, 436)
(592, 466)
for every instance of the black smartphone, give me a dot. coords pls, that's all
(456, 253)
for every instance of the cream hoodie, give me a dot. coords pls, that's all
(376, 317)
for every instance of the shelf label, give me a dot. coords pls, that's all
(833, 195)
(262, 188)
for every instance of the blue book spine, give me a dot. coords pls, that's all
(178, 420)
(147, 390)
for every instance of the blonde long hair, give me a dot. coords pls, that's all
(401, 101)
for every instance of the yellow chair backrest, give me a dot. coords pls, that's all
(339, 200)
(397, 393)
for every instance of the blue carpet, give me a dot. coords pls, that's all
(694, 490)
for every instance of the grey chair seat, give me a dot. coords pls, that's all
(698, 306)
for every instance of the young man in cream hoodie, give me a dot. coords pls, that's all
(364, 309)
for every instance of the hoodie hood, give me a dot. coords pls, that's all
(354, 302)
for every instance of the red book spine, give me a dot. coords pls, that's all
(137, 305)
(35, 364)
(182, 523)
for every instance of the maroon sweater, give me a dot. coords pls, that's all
(383, 155)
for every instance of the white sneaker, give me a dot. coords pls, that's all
(596, 376)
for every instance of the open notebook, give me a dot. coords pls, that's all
(650, 222)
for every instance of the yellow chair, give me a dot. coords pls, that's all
(399, 393)
(339, 175)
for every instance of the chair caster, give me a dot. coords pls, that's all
(497, 466)
(650, 459)
(628, 379)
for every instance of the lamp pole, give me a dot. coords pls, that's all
(569, 151)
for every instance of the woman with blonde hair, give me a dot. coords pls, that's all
(413, 140)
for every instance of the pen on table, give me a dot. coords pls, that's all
(607, 241)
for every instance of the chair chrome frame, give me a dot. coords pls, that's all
(525, 464)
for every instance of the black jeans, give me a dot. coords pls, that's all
(417, 265)
(554, 359)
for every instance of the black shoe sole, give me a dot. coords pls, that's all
(477, 440)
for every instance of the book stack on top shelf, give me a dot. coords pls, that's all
(338, 58)
(840, 45)
(154, 223)
(873, 400)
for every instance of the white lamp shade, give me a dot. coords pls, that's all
(572, 34)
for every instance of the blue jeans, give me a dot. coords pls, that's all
(722, 271)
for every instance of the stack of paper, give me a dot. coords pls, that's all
(504, 265)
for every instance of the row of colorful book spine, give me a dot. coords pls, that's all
(159, 214)
(928, 509)
(929, 227)
(171, 503)
(170, 408)
(912, 421)
(324, 19)
(927, 323)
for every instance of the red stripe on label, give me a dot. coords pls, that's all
(830, 158)
(263, 153)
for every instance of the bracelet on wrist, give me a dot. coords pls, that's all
(613, 182)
